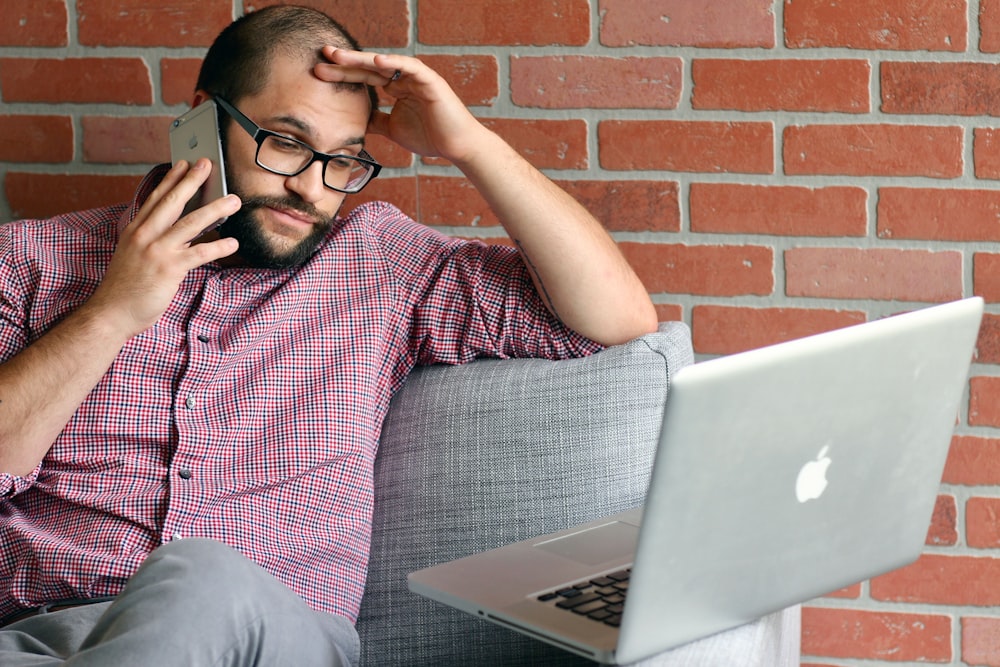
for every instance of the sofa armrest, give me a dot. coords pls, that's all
(480, 455)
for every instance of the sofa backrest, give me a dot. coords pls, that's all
(480, 455)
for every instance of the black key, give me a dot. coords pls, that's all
(577, 600)
(621, 575)
(589, 607)
(602, 581)
(568, 592)
(616, 608)
(614, 599)
(606, 590)
(600, 614)
(614, 621)
(545, 597)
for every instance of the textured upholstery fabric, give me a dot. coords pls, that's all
(476, 456)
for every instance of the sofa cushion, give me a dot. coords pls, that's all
(480, 455)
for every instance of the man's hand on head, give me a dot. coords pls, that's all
(427, 118)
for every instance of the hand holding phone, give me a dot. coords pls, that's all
(196, 135)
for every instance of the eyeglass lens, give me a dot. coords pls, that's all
(291, 157)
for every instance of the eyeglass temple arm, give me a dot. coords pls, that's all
(238, 116)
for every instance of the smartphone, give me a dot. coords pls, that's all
(196, 135)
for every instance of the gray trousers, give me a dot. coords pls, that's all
(193, 602)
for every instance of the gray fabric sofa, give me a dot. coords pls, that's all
(476, 456)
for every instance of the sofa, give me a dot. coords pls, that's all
(472, 457)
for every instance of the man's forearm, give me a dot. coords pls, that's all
(575, 264)
(44, 384)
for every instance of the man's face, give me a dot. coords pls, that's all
(284, 218)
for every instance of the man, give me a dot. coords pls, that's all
(187, 429)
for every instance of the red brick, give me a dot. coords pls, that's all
(982, 528)
(874, 150)
(938, 214)
(956, 89)
(504, 22)
(34, 23)
(144, 23)
(45, 195)
(453, 201)
(852, 592)
(475, 79)
(980, 641)
(547, 144)
(695, 146)
(986, 276)
(374, 23)
(133, 140)
(728, 24)
(178, 78)
(574, 82)
(989, 26)
(874, 273)
(618, 205)
(984, 401)
(25, 138)
(402, 192)
(884, 25)
(630, 206)
(706, 270)
(941, 579)
(387, 152)
(988, 345)
(731, 329)
(781, 85)
(876, 635)
(81, 80)
(973, 461)
(986, 152)
(943, 530)
(778, 209)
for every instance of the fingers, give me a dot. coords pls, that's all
(159, 221)
(346, 66)
(166, 203)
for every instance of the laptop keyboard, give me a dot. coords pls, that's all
(600, 599)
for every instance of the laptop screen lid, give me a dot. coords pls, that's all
(731, 528)
(798, 469)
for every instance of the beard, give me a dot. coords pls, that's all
(257, 250)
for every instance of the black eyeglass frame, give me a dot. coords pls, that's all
(259, 135)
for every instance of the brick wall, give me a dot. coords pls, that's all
(772, 169)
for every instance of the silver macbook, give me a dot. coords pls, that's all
(781, 474)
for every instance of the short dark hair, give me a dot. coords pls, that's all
(239, 61)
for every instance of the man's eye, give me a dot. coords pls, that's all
(283, 144)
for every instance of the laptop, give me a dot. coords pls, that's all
(781, 474)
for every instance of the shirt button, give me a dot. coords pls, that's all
(184, 473)
(190, 402)
(203, 338)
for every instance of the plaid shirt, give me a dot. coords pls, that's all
(250, 412)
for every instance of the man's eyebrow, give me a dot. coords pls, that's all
(307, 130)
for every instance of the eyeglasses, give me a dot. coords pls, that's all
(286, 156)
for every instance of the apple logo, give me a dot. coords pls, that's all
(811, 482)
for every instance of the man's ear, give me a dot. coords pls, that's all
(199, 97)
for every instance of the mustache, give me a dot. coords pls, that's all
(290, 203)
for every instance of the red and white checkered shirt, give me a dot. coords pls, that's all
(250, 412)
